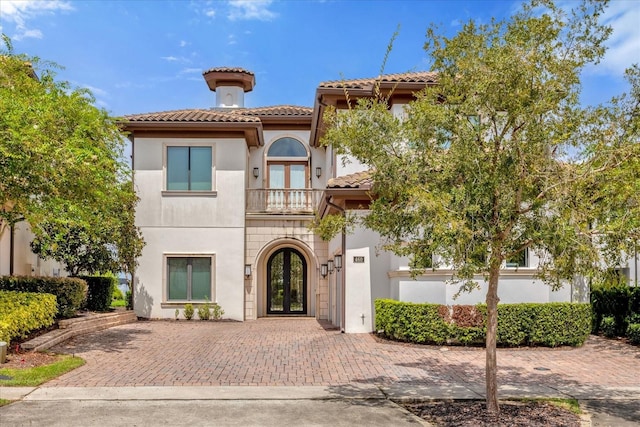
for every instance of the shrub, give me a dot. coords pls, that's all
(608, 327)
(217, 312)
(188, 311)
(23, 312)
(558, 323)
(100, 292)
(117, 294)
(204, 311)
(550, 324)
(70, 292)
(613, 301)
(633, 333)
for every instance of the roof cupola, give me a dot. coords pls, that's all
(230, 85)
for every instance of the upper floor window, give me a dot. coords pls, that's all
(287, 147)
(189, 168)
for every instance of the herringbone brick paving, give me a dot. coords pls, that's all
(300, 351)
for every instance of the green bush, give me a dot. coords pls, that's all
(559, 323)
(100, 292)
(70, 292)
(217, 312)
(608, 327)
(633, 333)
(613, 301)
(549, 324)
(117, 294)
(23, 312)
(204, 311)
(188, 311)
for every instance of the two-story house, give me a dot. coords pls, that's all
(226, 198)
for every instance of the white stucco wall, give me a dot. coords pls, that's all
(25, 262)
(210, 223)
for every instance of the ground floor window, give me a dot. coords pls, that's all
(521, 259)
(189, 278)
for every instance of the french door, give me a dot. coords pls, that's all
(286, 283)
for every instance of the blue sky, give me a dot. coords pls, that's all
(142, 56)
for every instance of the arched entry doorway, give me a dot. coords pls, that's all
(286, 282)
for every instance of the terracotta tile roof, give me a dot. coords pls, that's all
(276, 110)
(227, 70)
(212, 116)
(416, 77)
(354, 180)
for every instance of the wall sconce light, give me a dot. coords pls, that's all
(247, 270)
(256, 172)
(318, 172)
(324, 270)
(338, 262)
(330, 266)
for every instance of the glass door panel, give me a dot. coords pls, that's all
(287, 283)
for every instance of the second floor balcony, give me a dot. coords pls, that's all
(283, 201)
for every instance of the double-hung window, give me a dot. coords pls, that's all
(189, 279)
(189, 168)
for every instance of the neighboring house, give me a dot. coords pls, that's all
(16, 257)
(226, 198)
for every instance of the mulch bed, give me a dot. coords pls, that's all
(472, 413)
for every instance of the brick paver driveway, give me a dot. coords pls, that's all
(299, 351)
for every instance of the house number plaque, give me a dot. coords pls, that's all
(358, 259)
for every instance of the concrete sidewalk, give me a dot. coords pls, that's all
(277, 405)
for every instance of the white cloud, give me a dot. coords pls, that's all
(183, 43)
(231, 40)
(210, 13)
(169, 58)
(191, 71)
(251, 9)
(624, 43)
(96, 91)
(20, 12)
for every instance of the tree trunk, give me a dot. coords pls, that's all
(492, 331)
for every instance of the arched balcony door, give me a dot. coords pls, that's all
(286, 282)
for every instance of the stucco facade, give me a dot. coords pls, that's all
(227, 196)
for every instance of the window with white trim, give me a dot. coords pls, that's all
(189, 278)
(189, 168)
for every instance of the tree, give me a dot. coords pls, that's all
(58, 152)
(109, 242)
(499, 157)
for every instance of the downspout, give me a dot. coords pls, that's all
(343, 245)
(635, 270)
(11, 248)
(133, 185)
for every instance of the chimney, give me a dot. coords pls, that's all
(230, 85)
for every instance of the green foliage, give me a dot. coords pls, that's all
(23, 312)
(550, 324)
(108, 242)
(33, 377)
(117, 294)
(615, 301)
(609, 327)
(188, 311)
(100, 292)
(557, 323)
(217, 312)
(61, 155)
(204, 310)
(633, 333)
(332, 225)
(70, 292)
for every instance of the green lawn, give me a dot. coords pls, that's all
(31, 377)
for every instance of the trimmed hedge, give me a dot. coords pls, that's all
(550, 324)
(70, 292)
(23, 312)
(100, 292)
(614, 308)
